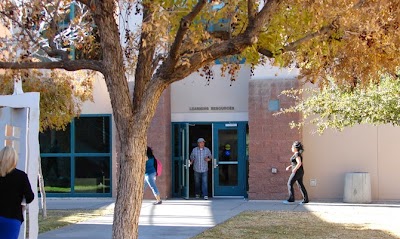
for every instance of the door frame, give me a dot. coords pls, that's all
(180, 157)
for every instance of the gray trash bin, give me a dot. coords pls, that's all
(357, 188)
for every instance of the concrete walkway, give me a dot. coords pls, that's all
(183, 219)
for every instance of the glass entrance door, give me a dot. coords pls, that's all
(180, 157)
(227, 173)
(229, 164)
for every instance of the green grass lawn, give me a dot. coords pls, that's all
(288, 225)
(78, 189)
(60, 218)
(247, 225)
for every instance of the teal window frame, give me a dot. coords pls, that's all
(72, 155)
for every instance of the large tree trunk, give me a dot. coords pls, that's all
(132, 158)
(132, 124)
(130, 186)
(131, 128)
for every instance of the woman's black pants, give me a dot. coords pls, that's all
(298, 176)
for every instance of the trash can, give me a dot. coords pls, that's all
(357, 188)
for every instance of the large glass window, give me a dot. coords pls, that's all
(52, 141)
(92, 135)
(95, 180)
(57, 174)
(77, 160)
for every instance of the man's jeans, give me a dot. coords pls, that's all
(201, 178)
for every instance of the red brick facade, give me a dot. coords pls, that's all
(270, 139)
(159, 139)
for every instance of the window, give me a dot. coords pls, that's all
(77, 161)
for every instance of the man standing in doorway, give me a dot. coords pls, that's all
(200, 157)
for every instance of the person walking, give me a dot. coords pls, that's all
(297, 173)
(150, 176)
(200, 157)
(15, 189)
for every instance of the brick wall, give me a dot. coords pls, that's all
(159, 138)
(270, 139)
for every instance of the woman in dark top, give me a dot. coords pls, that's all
(150, 176)
(14, 188)
(297, 173)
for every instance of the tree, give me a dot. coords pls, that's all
(340, 106)
(62, 93)
(174, 40)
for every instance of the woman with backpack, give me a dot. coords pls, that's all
(150, 176)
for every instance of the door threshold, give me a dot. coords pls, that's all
(232, 197)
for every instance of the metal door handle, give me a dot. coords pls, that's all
(215, 163)
(187, 163)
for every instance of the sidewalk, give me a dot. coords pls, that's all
(183, 219)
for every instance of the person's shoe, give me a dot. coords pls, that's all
(288, 202)
(157, 203)
(304, 202)
(197, 196)
(205, 197)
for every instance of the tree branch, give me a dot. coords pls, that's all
(23, 29)
(263, 17)
(66, 65)
(247, 38)
(293, 45)
(86, 2)
(91, 4)
(54, 25)
(183, 28)
(205, 56)
(322, 31)
(251, 11)
(266, 52)
(147, 48)
(54, 52)
(232, 46)
(359, 4)
(156, 60)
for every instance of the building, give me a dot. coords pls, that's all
(81, 161)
